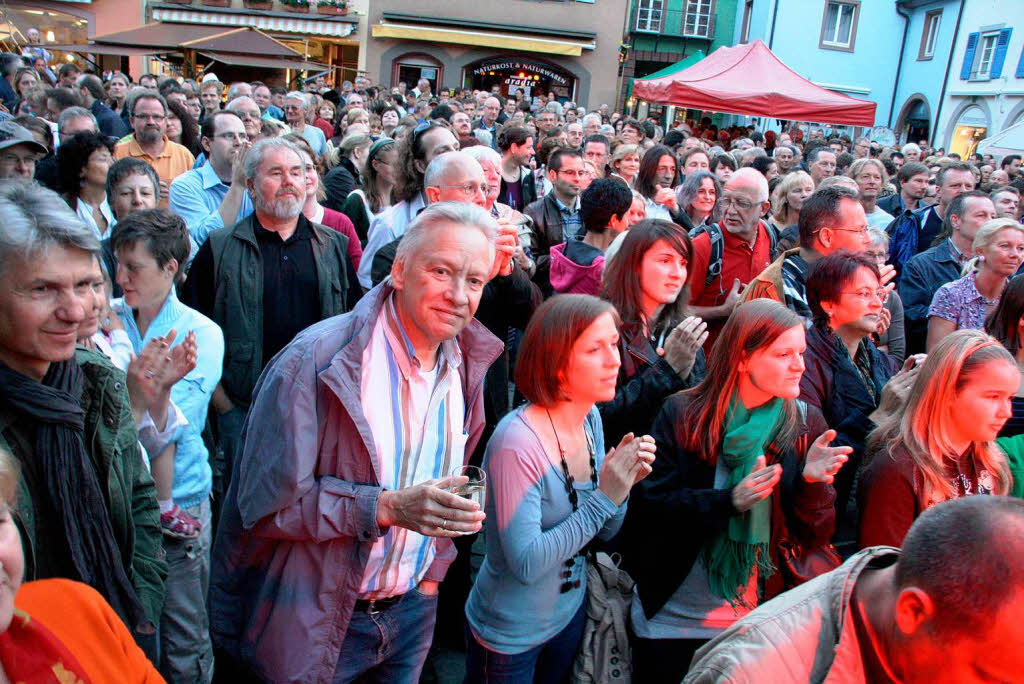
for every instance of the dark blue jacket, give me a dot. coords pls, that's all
(922, 277)
(904, 235)
(110, 124)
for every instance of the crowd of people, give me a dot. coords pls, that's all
(259, 346)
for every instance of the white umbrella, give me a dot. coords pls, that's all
(1007, 141)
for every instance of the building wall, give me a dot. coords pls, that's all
(922, 79)
(867, 72)
(596, 70)
(999, 100)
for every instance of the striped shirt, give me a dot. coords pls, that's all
(572, 222)
(416, 418)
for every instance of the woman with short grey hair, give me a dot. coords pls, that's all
(894, 341)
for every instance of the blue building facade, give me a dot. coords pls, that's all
(894, 53)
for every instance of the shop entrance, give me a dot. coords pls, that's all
(971, 128)
(512, 74)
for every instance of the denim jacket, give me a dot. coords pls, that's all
(193, 479)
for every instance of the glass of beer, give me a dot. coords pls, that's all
(475, 489)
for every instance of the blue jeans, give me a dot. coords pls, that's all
(549, 663)
(390, 646)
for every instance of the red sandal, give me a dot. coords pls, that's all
(179, 524)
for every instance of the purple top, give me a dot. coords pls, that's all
(961, 303)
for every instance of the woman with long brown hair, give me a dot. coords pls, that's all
(738, 471)
(940, 444)
(660, 346)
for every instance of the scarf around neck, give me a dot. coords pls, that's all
(72, 490)
(734, 553)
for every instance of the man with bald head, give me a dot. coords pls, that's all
(450, 177)
(746, 249)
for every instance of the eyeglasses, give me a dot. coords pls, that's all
(240, 137)
(867, 295)
(862, 232)
(150, 117)
(13, 159)
(741, 203)
(470, 189)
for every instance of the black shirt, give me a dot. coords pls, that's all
(291, 291)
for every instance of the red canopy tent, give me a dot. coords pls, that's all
(749, 79)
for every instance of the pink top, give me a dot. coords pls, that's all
(343, 224)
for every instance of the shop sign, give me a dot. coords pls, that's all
(522, 70)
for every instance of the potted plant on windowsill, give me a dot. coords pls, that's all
(181, 2)
(258, 4)
(332, 6)
(296, 5)
(217, 3)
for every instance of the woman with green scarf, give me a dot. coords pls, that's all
(741, 465)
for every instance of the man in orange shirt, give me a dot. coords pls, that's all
(150, 144)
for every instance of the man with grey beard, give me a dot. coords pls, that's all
(263, 280)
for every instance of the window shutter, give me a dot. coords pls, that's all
(999, 56)
(972, 47)
(1020, 65)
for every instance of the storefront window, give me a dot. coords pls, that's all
(25, 25)
(409, 69)
(971, 128)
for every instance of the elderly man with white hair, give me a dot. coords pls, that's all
(296, 107)
(911, 152)
(592, 124)
(729, 254)
(338, 528)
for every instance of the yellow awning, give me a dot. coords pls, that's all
(489, 39)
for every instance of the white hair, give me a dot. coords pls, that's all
(441, 167)
(482, 154)
(749, 177)
(911, 147)
(296, 95)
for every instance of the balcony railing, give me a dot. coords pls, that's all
(646, 19)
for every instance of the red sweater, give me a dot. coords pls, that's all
(343, 224)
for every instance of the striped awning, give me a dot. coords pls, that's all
(308, 24)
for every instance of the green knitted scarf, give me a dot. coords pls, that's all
(733, 554)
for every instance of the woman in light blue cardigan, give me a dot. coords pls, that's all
(551, 490)
(152, 247)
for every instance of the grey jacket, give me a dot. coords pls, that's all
(300, 517)
(802, 636)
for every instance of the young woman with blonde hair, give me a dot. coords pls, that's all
(787, 200)
(940, 444)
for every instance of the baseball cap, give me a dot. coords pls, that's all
(12, 134)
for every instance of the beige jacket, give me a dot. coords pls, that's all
(802, 636)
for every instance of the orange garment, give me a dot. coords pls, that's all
(169, 164)
(88, 627)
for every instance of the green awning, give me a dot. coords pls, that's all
(685, 63)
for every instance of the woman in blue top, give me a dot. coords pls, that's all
(551, 490)
(152, 247)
